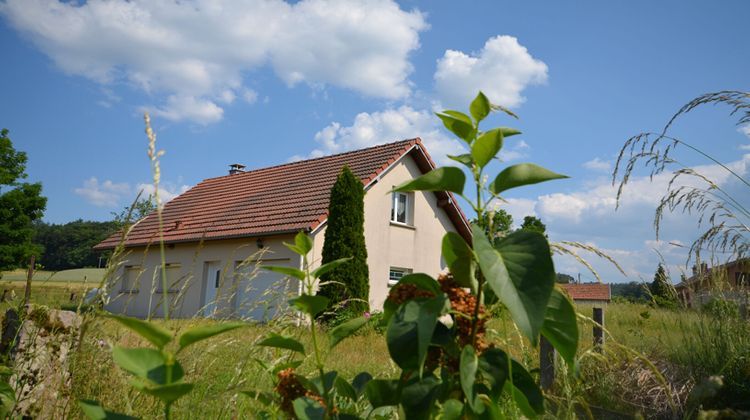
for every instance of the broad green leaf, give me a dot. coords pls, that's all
(360, 382)
(308, 409)
(7, 399)
(283, 342)
(418, 397)
(382, 392)
(344, 389)
(94, 411)
(464, 159)
(468, 371)
(460, 259)
(158, 336)
(325, 383)
(508, 132)
(520, 271)
(168, 393)
(310, 304)
(452, 410)
(486, 146)
(520, 175)
(289, 271)
(524, 391)
(480, 107)
(197, 334)
(422, 281)
(325, 268)
(560, 326)
(458, 124)
(493, 363)
(410, 330)
(345, 329)
(303, 242)
(145, 363)
(446, 178)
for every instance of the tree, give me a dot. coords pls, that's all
(502, 223)
(20, 205)
(70, 245)
(141, 208)
(347, 285)
(534, 224)
(662, 290)
(565, 278)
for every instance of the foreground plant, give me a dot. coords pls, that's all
(156, 370)
(435, 328)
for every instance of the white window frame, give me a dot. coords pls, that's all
(397, 273)
(408, 211)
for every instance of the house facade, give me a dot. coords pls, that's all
(588, 293)
(219, 233)
(727, 281)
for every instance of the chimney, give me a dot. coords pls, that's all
(236, 168)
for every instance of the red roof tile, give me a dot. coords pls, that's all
(277, 199)
(590, 291)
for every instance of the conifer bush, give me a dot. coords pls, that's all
(347, 287)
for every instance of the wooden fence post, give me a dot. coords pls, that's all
(598, 328)
(27, 293)
(546, 364)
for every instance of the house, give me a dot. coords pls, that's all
(729, 281)
(218, 232)
(590, 293)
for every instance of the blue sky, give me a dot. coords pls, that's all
(261, 83)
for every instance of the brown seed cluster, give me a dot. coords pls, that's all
(464, 303)
(289, 389)
(404, 292)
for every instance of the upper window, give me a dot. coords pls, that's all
(395, 275)
(131, 279)
(401, 208)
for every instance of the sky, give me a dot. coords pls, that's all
(266, 82)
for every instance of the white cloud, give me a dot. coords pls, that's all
(113, 194)
(745, 129)
(519, 208)
(250, 96)
(196, 51)
(502, 69)
(105, 194)
(599, 165)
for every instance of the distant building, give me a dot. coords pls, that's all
(591, 293)
(728, 281)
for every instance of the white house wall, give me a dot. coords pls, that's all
(187, 298)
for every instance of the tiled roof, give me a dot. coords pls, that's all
(277, 199)
(589, 291)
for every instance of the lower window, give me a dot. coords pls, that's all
(395, 275)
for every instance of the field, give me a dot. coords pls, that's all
(651, 361)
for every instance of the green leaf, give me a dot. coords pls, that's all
(303, 242)
(410, 331)
(344, 389)
(325, 383)
(168, 393)
(560, 326)
(452, 410)
(264, 397)
(460, 259)
(145, 363)
(197, 334)
(156, 335)
(524, 391)
(360, 382)
(422, 281)
(345, 329)
(325, 268)
(283, 342)
(521, 273)
(418, 397)
(294, 364)
(289, 271)
(446, 178)
(508, 132)
(7, 399)
(486, 147)
(480, 107)
(493, 363)
(468, 371)
(520, 175)
(458, 124)
(308, 409)
(464, 159)
(94, 411)
(382, 392)
(310, 304)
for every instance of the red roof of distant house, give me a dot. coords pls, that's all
(589, 291)
(278, 199)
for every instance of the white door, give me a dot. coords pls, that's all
(261, 294)
(213, 282)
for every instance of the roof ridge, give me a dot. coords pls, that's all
(405, 141)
